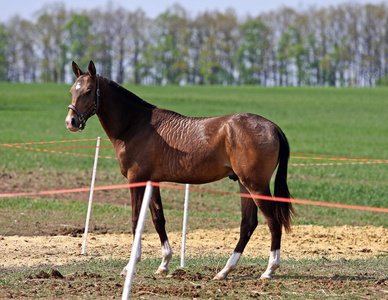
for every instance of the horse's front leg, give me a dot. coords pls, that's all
(159, 223)
(137, 195)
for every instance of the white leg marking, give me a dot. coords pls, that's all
(138, 259)
(166, 257)
(273, 264)
(229, 267)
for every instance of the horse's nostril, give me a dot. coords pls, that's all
(73, 122)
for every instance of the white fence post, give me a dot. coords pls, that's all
(91, 196)
(184, 227)
(137, 241)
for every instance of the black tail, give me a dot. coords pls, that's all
(284, 211)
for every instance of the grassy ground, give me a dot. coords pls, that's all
(334, 122)
(298, 279)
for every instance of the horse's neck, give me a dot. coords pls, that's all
(119, 115)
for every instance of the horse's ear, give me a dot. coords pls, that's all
(92, 69)
(77, 71)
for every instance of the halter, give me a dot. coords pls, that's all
(91, 111)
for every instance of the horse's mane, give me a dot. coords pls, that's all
(127, 94)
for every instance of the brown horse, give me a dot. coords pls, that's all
(156, 144)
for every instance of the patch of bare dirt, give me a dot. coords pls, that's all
(309, 241)
(42, 180)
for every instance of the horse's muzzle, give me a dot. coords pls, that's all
(72, 122)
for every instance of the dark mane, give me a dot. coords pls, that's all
(127, 94)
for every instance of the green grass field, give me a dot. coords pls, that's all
(321, 121)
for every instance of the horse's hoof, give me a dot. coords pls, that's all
(218, 277)
(162, 271)
(123, 272)
(265, 277)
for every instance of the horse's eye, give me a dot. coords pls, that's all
(88, 92)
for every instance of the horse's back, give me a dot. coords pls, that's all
(199, 150)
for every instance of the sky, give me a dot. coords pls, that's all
(152, 8)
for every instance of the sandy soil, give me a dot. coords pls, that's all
(345, 242)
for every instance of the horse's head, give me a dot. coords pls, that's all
(85, 97)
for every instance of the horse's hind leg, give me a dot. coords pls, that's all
(159, 223)
(268, 209)
(248, 225)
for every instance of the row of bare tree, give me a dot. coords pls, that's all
(345, 45)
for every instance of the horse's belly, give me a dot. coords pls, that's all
(193, 178)
(194, 174)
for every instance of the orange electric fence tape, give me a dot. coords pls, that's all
(172, 186)
(22, 146)
(353, 160)
(49, 142)
(350, 160)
